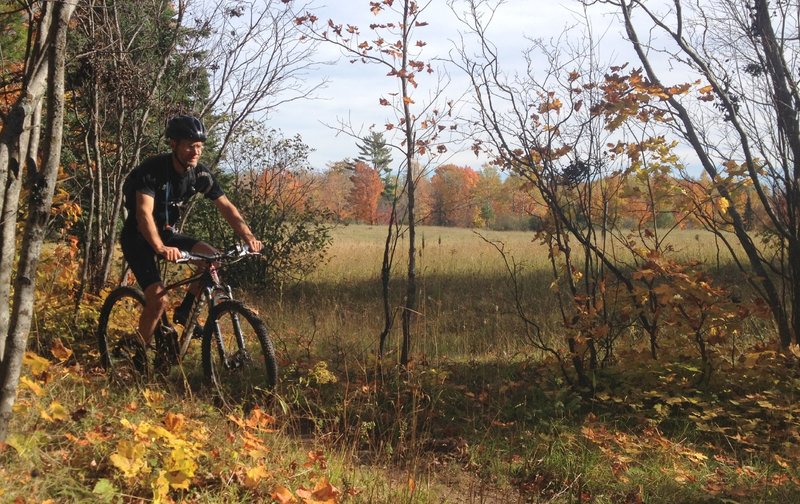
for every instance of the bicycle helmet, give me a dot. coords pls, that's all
(186, 127)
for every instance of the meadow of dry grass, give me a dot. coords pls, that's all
(466, 296)
(479, 417)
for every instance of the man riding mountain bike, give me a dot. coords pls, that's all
(155, 192)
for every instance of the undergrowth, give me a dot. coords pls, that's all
(476, 417)
(499, 430)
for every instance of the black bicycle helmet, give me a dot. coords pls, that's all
(186, 127)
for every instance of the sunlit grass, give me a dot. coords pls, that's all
(477, 417)
(466, 306)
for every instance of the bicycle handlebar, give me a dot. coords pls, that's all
(238, 252)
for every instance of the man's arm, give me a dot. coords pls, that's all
(232, 216)
(147, 226)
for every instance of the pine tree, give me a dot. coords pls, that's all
(374, 152)
(377, 154)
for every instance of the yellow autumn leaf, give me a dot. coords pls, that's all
(129, 458)
(35, 363)
(32, 385)
(695, 456)
(44, 415)
(254, 475)
(21, 406)
(154, 399)
(57, 411)
(751, 359)
(723, 205)
(156, 431)
(160, 486)
(180, 468)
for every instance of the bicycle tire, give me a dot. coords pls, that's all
(236, 375)
(123, 353)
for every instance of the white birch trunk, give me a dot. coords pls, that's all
(40, 201)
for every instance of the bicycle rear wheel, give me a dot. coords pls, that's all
(238, 356)
(123, 352)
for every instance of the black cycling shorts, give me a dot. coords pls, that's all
(142, 258)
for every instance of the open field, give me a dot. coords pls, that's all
(478, 418)
(466, 297)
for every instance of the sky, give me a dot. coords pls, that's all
(353, 91)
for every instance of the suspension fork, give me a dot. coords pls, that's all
(226, 293)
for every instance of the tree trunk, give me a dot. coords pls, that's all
(761, 278)
(15, 157)
(410, 307)
(386, 275)
(40, 200)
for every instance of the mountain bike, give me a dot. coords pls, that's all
(238, 357)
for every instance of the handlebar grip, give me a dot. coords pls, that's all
(184, 257)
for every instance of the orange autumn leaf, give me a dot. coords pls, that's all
(59, 351)
(174, 422)
(315, 457)
(282, 495)
(550, 105)
(323, 493)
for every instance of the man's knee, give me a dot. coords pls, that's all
(203, 248)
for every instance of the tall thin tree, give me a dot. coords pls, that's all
(44, 81)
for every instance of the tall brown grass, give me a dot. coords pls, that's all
(467, 305)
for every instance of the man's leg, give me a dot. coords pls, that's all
(155, 302)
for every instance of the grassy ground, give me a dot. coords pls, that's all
(478, 417)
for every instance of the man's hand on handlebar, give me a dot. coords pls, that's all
(171, 254)
(253, 244)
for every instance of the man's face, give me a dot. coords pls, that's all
(187, 151)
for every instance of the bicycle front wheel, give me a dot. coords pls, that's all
(238, 356)
(122, 349)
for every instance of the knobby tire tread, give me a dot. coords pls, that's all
(113, 299)
(265, 344)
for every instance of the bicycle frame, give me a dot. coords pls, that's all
(211, 285)
(212, 290)
(232, 334)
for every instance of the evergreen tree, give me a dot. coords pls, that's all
(376, 153)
